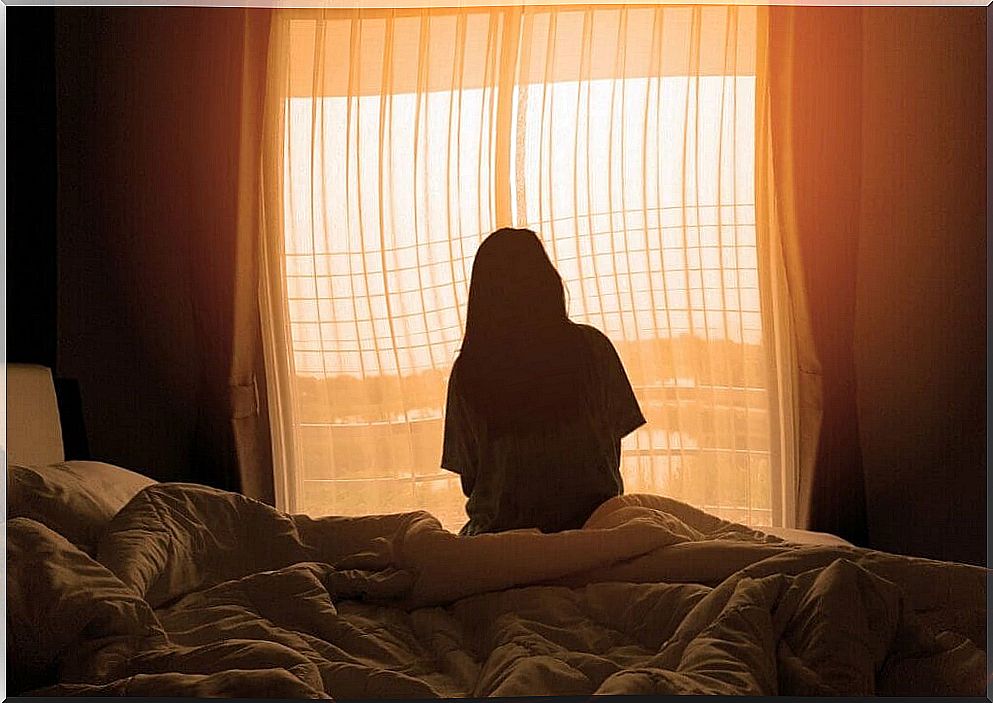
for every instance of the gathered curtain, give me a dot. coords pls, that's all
(248, 397)
(812, 124)
(636, 140)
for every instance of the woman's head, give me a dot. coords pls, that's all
(514, 285)
(519, 365)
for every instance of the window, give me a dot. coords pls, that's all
(624, 136)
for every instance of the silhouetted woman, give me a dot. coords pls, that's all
(537, 405)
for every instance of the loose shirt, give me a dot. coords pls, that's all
(549, 477)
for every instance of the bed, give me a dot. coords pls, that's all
(118, 585)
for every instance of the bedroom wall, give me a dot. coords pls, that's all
(920, 337)
(147, 160)
(125, 313)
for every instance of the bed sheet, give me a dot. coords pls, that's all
(229, 597)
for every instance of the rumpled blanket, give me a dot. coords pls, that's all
(200, 592)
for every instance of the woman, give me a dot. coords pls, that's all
(537, 405)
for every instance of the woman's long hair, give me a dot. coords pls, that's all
(514, 287)
(519, 365)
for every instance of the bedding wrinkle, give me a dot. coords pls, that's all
(199, 592)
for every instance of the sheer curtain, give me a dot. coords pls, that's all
(625, 136)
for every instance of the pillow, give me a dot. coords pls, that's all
(75, 498)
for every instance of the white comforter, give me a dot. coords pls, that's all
(205, 593)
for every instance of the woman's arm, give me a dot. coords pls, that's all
(458, 447)
(623, 411)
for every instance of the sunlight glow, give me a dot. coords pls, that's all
(642, 189)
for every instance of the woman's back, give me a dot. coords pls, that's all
(533, 426)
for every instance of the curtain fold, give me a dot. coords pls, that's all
(395, 140)
(159, 135)
(248, 390)
(274, 328)
(812, 121)
(232, 435)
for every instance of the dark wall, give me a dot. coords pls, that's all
(920, 345)
(31, 186)
(148, 151)
(126, 326)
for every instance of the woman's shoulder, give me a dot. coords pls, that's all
(457, 368)
(594, 337)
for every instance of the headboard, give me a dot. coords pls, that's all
(34, 430)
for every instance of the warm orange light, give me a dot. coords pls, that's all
(625, 137)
